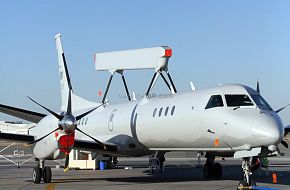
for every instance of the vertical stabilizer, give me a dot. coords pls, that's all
(65, 84)
(78, 103)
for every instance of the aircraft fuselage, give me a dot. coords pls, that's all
(184, 122)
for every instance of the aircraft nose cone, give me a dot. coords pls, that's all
(268, 130)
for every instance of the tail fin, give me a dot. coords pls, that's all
(65, 83)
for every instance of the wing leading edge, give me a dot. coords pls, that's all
(22, 113)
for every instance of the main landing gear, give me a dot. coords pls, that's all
(41, 172)
(211, 169)
(156, 162)
(247, 183)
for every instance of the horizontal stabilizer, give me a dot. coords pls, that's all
(146, 58)
(22, 114)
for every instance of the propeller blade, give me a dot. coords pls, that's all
(51, 112)
(66, 72)
(98, 142)
(86, 113)
(284, 143)
(44, 136)
(66, 168)
(282, 108)
(258, 87)
(69, 103)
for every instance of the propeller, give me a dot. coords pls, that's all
(68, 122)
(66, 168)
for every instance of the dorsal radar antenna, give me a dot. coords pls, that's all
(136, 59)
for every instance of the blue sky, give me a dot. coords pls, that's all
(213, 42)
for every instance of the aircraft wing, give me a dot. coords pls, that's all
(21, 113)
(94, 147)
(16, 137)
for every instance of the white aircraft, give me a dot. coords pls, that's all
(226, 120)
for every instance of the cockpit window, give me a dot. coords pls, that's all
(261, 102)
(235, 100)
(215, 101)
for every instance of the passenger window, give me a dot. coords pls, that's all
(160, 112)
(83, 121)
(215, 101)
(86, 120)
(166, 111)
(154, 112)
(172, 110)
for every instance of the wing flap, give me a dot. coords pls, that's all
(22, 113)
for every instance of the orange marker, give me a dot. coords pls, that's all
(274, 178)
(216, 142)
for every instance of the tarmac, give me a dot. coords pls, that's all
(182, 171)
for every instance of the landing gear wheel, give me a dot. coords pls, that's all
(47, 175)
(36, 175)
(208, 171)
(217, 170)
(244, 185)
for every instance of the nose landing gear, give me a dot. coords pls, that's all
(41, 172)
(247, 183)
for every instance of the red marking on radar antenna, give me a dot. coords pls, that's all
(100, 93)
(168, 53)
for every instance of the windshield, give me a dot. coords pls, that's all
(215, 101)
(235, 100)
(261, 103)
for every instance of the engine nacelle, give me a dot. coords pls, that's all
(55, 145)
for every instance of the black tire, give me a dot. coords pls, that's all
(47, 175)
(36, 174)
(218, 170)
(208, 171)
(243, 185)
